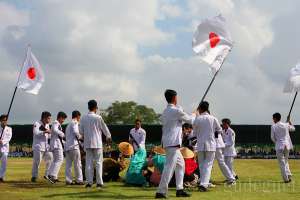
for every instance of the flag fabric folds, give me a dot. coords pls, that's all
(212, 41)
(31, 77)
(293, 82)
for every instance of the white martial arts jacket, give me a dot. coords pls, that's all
(140, 137)
(92, 127)
(219, 142)
(280, 135)
(6, 136)
(172, 119)
(56, 132)
(229, 139)
(40, 139)
(72, 136)
(205, 126)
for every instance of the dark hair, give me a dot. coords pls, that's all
(92, 104)
(114, 154)
(61, 115)
(226, 121)
(45, 115)
(75, 114)
(138, 120)
(2, 117)
(277, 116)
(169, 94)
(187, 125)
(204, 106)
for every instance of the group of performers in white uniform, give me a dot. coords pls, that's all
(200, 131)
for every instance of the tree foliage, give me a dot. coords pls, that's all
(128, 112)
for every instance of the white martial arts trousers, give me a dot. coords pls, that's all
(174, 162)
(3, 160)
(224, 168)
(206, 161)
(58, 158)
(229, 162)
(37, 158)
(282, 157)
(73, 156)
(94, 155)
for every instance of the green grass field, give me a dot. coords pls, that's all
(259, 179)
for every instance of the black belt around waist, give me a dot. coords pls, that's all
(176, 146)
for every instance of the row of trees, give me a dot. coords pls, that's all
(128, 112)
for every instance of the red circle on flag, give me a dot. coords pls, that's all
(214, 39)
(31, 73)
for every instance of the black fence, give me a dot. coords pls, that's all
(245, 134)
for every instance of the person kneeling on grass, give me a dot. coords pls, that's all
(113, 166)
(134, 174)
(191, 174)
(155, 166)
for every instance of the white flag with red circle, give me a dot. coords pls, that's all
(31, 77)
(212, 41)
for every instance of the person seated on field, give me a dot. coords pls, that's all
(113, 166)
(155, 166)
(134, 174)
(191, 173)
(189, 140)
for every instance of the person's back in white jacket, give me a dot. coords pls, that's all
(172, 119)
(283, 144)
(92, 126)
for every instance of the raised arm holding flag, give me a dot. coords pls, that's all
(212, 42)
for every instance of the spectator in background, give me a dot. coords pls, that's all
(137, 136)
(5, 136)
(281, 137)
(41, 145)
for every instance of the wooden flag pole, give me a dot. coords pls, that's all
(212, 80)
(292, 106)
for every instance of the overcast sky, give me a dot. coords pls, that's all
(135, 49)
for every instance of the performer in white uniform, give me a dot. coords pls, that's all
(228, 136)
(92, 126)
(137, 136)
(226, 171)
(205, 126)
(40, 145)
(57, 146)
(5, 136)
(72, 149)
(283, 144)
(172, 120)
